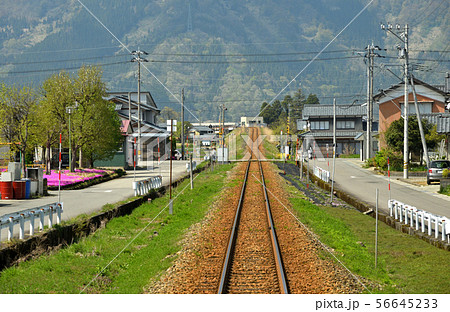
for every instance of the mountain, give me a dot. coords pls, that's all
(237, 53)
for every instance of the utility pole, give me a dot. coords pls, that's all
(403, 53)
(370, 56)
(223, 133)
(288, 128)
(370, 65)
(137, 58)
(334, 150)
(182, 124)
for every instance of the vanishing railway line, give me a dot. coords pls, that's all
(253, 262)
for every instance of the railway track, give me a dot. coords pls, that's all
(253, 262)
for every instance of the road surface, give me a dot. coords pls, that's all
(362, 183)
(92, 199)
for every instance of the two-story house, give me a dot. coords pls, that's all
(138, 120)
(350, 125)
(431, 101)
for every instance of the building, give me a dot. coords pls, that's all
(154, 140)
(431, 100)
(252, 121)
(205, 134)
(442, 122)
(350, 127)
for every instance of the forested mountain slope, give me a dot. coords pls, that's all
(240, 53)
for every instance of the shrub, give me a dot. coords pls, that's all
(445, 173)
(395, 160)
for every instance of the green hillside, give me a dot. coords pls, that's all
(240, 53)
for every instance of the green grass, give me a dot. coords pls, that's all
(405, 264)
(271, 151)
(240, 143)
(349, 156)
(148, 255)
(446, 191)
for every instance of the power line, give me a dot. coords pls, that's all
(58, 69)
(417, 22)
(251, 62)
(253, 54)
(66, 60)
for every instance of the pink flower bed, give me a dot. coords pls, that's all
(67, 177)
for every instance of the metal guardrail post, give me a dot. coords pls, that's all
(41, 219)
(11, 228)
(423, 221)
(58, 213)
(21, 226)
(417, 220)
(436, 227)
(50, 218)
(32, 223)
(429, 223)
(406, 214)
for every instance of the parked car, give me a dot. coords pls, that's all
(434, 170)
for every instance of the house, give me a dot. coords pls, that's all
(204, 134)
(442, 122)
(200, 130)
(252, 121)
(431, 100)
(138, 120)
(350, 125)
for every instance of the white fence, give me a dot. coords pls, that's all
(322, 174)
(9, 221)
(419, 219)
(144, 186)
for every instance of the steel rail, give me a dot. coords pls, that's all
(231, 243)
(276, 249)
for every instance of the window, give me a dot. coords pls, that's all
(425, 108)
(345, 124)
(320, 125)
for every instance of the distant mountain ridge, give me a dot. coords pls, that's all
(240, 53)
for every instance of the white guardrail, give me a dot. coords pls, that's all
(142, 187)
(322, 174)
(417, 218)
(20, 217)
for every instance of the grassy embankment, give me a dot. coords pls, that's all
(149, 241)
(405, 264)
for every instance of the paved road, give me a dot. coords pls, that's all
(362, 183)
(92, 199)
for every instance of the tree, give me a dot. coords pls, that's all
(57, 94)
(394, 136)
(312, 99)
(275, 115)
(168, 113)
(108, 137)
(93, 116)
(187, 126)
(18, 109)
(94, 125)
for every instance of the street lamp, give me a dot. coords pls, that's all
(70, 110)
